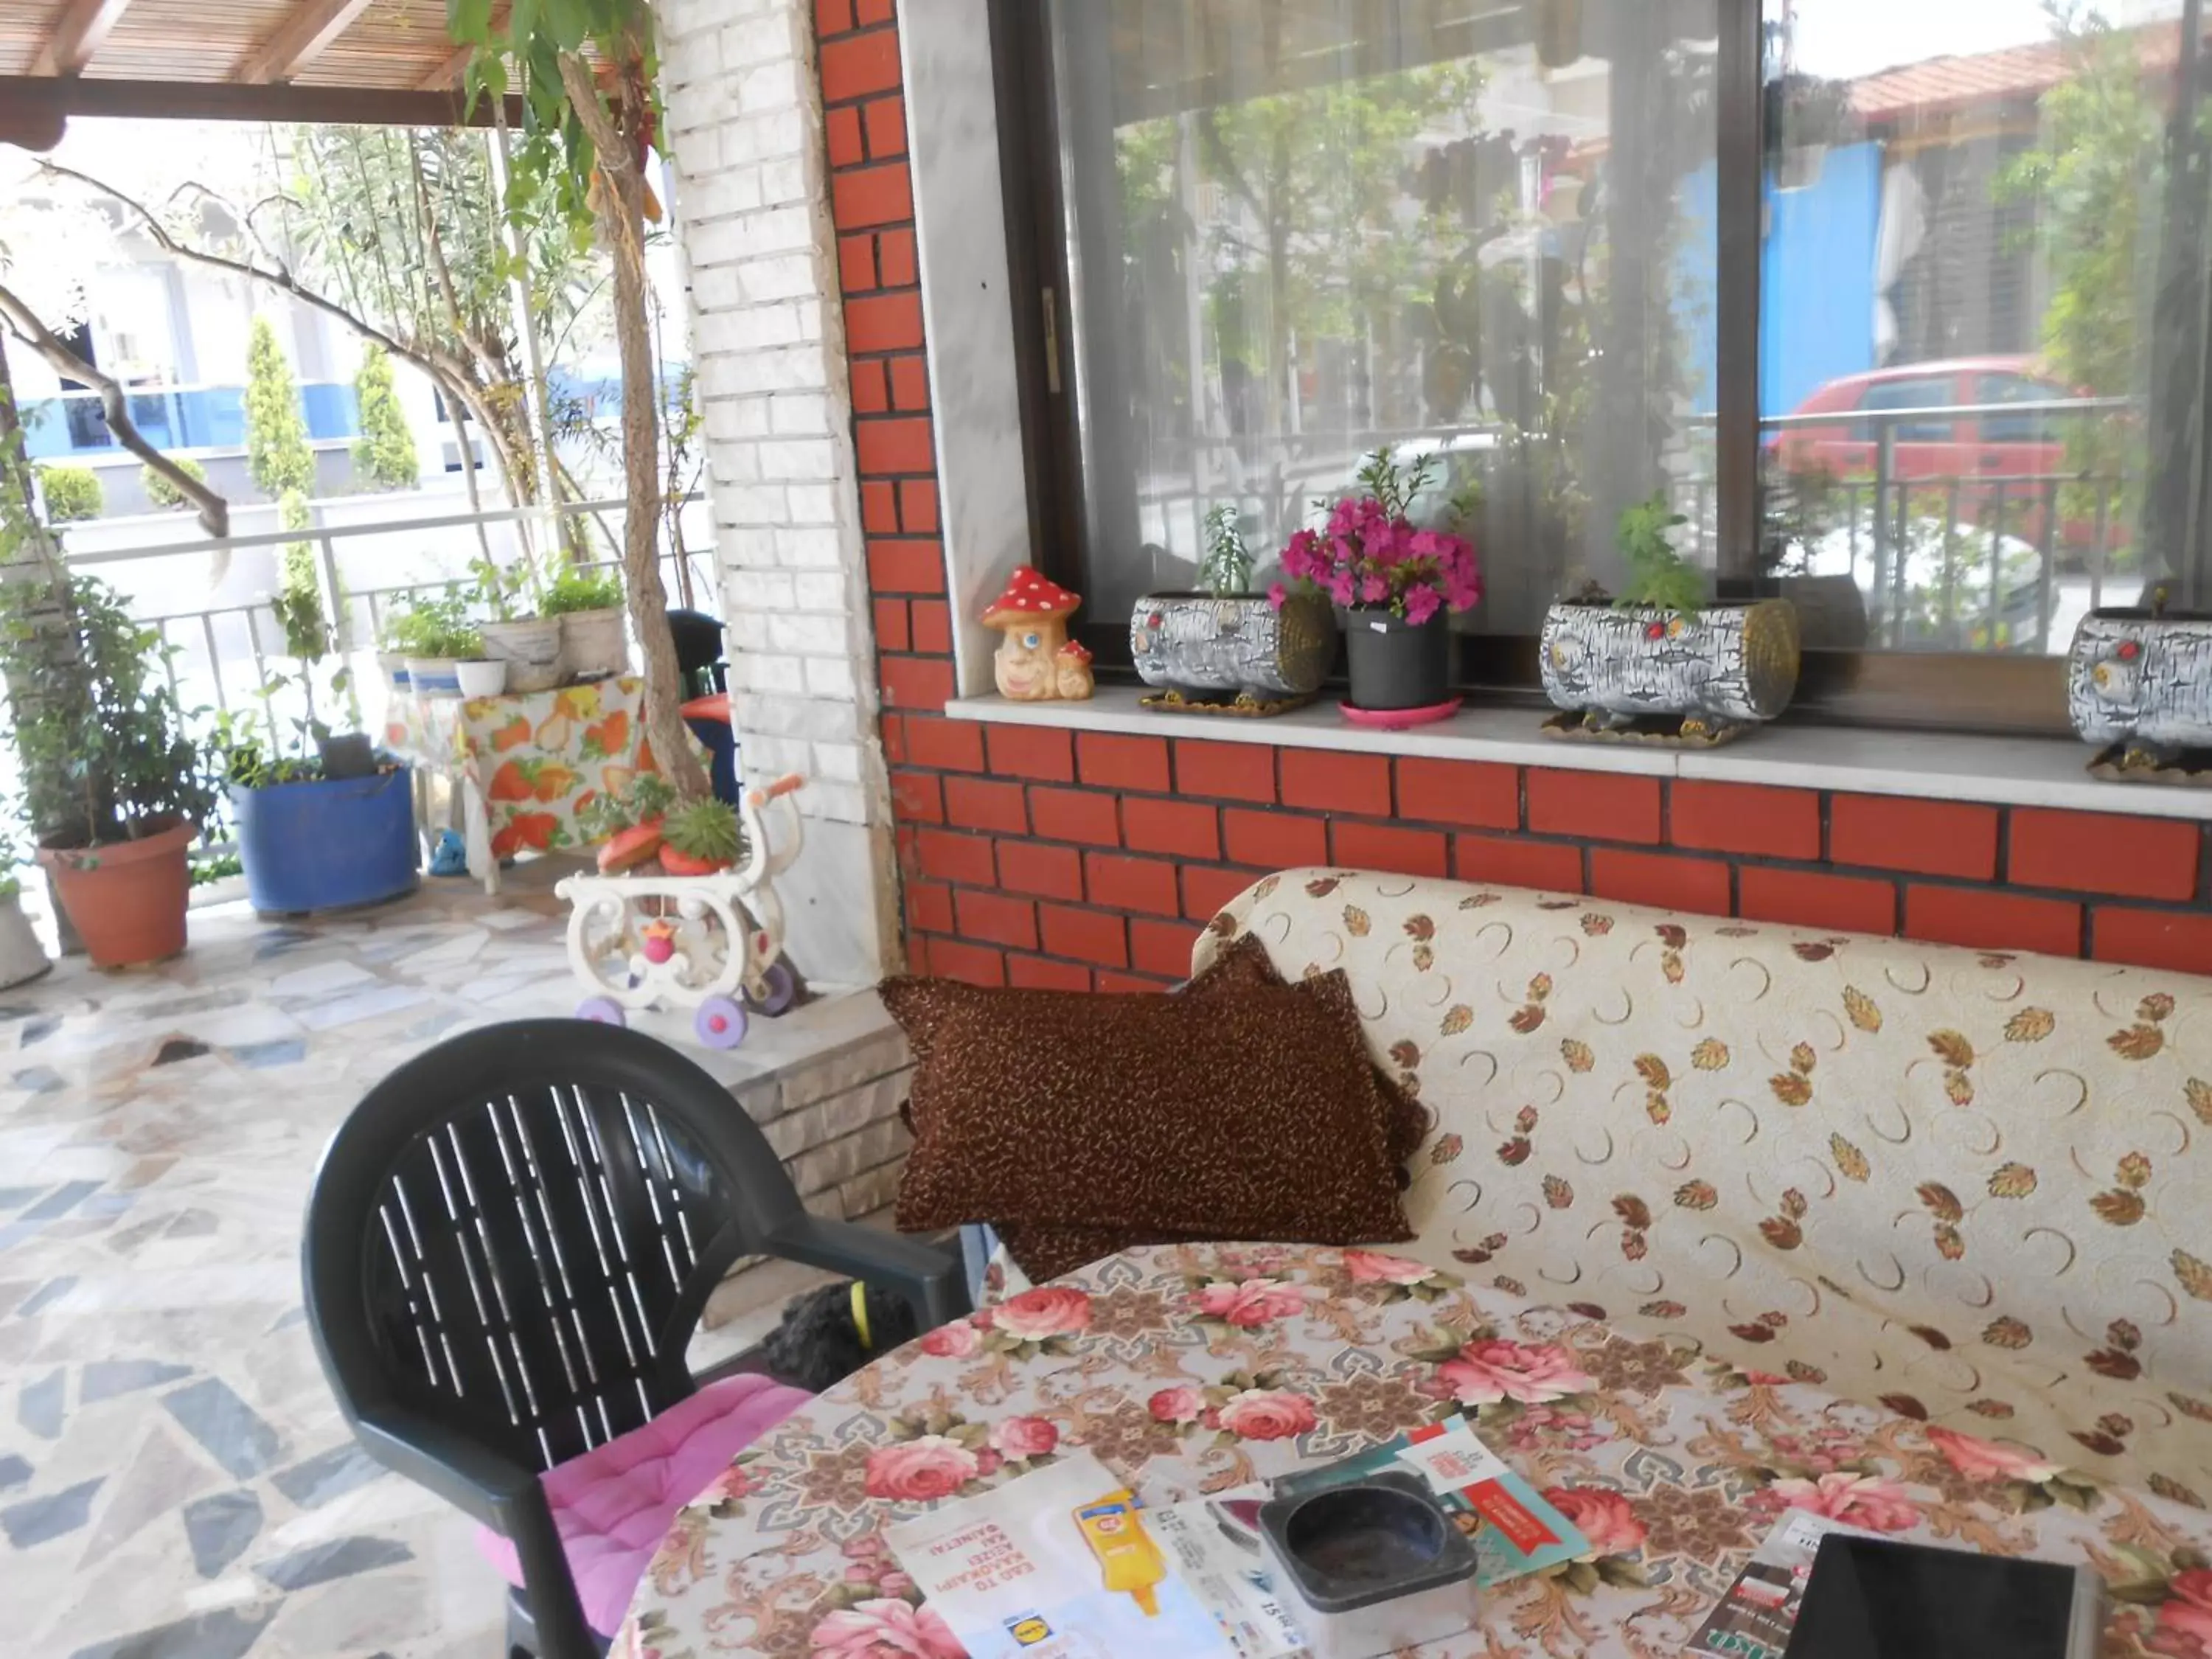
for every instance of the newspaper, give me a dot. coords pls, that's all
(1756, 1617)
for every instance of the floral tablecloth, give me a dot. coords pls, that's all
(535, 759)
(1190, 1369)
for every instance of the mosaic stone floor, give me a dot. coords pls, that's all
(174, 1479)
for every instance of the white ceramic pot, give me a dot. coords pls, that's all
(531, 650)
(434, 677)
(21, 956)
(593, 643)
(485, 676)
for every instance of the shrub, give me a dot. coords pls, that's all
(576, 590)
(276, 453)
(73, 493)
(159, 492)
(383, 454)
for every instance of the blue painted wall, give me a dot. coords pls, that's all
(205, 417)
(1816, 312)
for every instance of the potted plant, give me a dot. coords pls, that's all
(115, 784)
(701, 839)
(590, 609)
(1397, 582)
(435, 638)
(1660, 662)
(2134, 688)
(527, 641)
(313, 834)
(628, 825)
(1228, 647)
(21, 956)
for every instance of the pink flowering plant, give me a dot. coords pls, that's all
(1372, 556)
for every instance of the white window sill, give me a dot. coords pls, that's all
(1930, 765)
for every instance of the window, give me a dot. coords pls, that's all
(1910, 375)
(1985, 232)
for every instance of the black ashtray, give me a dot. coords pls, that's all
(1371, 1561)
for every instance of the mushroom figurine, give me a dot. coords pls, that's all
(1072, 671)
(1032, 614)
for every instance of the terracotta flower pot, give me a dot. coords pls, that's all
(126, 899)
(676, 863)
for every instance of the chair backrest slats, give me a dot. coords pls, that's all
(535, 1216)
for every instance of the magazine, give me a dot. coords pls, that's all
(1514, 1531)
(1061, 1564)
(1759, 1609)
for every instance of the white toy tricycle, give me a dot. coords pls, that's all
(689, 941)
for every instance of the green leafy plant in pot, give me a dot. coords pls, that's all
(434, 637)
(1396, 582)
(1229, 645)
(590, 608)
(115, 783)
(1661, 662)
(519, 631)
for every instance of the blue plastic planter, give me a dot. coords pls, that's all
(326, 846)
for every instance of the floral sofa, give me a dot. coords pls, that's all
(1975, 1188)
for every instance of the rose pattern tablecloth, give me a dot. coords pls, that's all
(536, 759)
(1190, 1369)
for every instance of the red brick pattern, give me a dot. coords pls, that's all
(1042, 858)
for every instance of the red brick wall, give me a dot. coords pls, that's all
(1037, 857)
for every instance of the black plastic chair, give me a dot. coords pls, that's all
(508, 1246)
(698, 640)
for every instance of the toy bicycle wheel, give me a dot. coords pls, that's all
(602, 1011)
(720, 1022)
(780, 988)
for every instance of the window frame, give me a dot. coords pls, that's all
(1997, 693)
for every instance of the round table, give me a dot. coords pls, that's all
(1190, 1369)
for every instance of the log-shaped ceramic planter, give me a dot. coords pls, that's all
(1239, 650)
(1716, 671)
(2142, 681)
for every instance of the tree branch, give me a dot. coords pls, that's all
(115, 403)
(282, 281)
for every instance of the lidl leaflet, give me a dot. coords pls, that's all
(1061, 1564)
(1213, 1545)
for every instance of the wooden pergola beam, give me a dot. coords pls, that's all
(448, 72)
(312, 29)
(76, 34)
(33, 102)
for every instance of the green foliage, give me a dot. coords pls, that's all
(1396, 486)
(706, 830)
(1657, 574)
(579, 590)
(72, 492)
(609, 813)
(278, 458)
(105, 748)
(383, 454)
(159, 492)
(1228, 567)
(2096, 182)
(299, 601)
(433, 626)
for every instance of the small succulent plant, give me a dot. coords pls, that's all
(705, 833)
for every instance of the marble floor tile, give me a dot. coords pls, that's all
(176, 1481)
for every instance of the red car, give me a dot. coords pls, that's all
(1967, 434)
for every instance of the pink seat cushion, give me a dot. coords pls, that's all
(613, 1504)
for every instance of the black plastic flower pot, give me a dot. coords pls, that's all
(1394, 664)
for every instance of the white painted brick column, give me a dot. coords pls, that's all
(751, 182)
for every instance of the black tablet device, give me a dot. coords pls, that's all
(1872, 1599)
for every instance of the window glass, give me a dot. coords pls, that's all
(1478, 231)
(1979, 191)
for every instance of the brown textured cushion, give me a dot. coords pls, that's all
(1252, 1116)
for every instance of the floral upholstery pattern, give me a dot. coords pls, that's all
(1971, 1189)
(1194, 1368)
(537, 758)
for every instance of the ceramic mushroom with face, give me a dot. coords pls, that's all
(1029, 667)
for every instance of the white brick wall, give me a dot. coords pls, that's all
(744, 124)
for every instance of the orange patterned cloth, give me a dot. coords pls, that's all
(537, 758)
